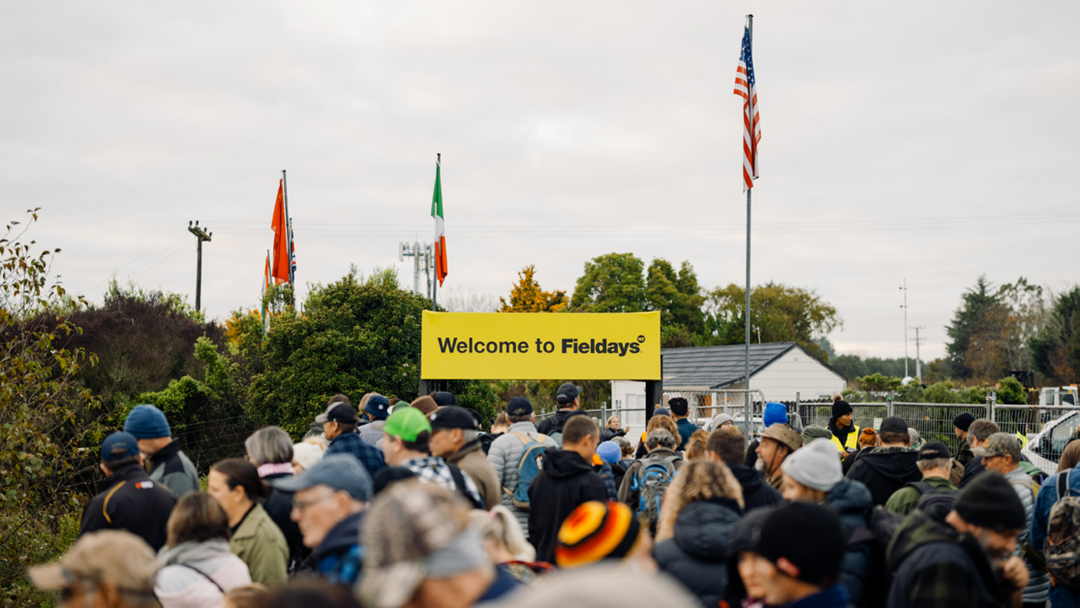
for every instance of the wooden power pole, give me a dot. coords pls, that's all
(201, 235)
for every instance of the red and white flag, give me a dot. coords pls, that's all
(745, 87)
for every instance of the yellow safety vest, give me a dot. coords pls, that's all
(851, 442)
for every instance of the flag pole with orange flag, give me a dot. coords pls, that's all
(440, 230)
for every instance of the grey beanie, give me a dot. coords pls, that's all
(816, 466)
(721, 419)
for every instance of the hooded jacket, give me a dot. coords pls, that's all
(851, 501)
(194, 575)
(756, 493)
(554, 424)
(128, 500)
(935, 565)
(505, 455)
(886, 470)
(172, 468)
(566, 481)
(698, 553)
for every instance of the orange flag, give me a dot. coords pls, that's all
(281, 238)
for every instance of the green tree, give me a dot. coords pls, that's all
(49, 424)
(1011, 392)
(611, 283)
(969, 320)
(678, 298)
(527, 296)
(1056, 345)
(778, 314)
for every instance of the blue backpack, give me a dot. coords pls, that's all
(651, 482)
(532, 460)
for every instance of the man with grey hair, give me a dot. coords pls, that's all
(455, 437)
(661, 445)
(1000, 452)
(977, 434)
(935, 463)
(506, 451)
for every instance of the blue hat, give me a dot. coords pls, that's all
(119, 446)
(147, 422)
(609, 452)
(339, 471)
(775, 413)
(377, 407)
(662, 411)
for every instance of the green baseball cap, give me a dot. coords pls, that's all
(407, 423)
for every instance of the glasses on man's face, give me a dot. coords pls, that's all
(300, 505)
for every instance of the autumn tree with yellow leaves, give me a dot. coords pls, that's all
(526, 295)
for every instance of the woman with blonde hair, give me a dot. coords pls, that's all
(506, 545)
(698, 520)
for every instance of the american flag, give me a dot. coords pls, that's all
(745, 87)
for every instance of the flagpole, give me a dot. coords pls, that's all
(288, 225)
(435, 283)
(747, 404)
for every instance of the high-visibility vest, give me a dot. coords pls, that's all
(851, 442)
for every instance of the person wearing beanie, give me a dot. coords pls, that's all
(812, 474)
(775, 413)
(127, 498)
(598, 531)
(845, 431)
(935, 463)
(377, 408)
(506, 451)
(962, 425)
(745, 586)
(169, 466)
(967, 561)
(815, 431)
(890, 466)
(801, 547)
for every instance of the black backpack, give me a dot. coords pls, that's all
(880, 528)
(934, 503)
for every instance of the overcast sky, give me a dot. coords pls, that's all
(932, 141)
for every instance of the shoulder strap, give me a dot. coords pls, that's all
(525, 439)
(921, 486)
(459, 483)
(205, 575)
(1063, 484)
(105, 504)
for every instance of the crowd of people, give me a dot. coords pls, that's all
(413, 505)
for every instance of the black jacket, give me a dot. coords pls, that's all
(886, 470)
(607, 434)
(279, 508)
(756, 493)
(697, 555)
(971, 469)
(129, 500)
(554, 424)
(565, 482)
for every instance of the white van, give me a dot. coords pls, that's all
(1044, 450)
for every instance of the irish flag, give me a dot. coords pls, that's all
(440, 228)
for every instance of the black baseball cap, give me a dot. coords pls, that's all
(443, 398)
(453, 417)
(893, 424)
(567, 393)
(519, 406)
(337, 412)
(934, 450)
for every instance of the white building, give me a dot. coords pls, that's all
(780, 370)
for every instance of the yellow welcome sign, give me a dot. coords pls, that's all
(586, 346)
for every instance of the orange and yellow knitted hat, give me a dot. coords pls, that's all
(596, 531)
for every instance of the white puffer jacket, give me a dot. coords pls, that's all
(194, 575)
(504, 454)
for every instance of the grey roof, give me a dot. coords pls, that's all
(720, 366)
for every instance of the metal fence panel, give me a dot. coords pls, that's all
(934, 421)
